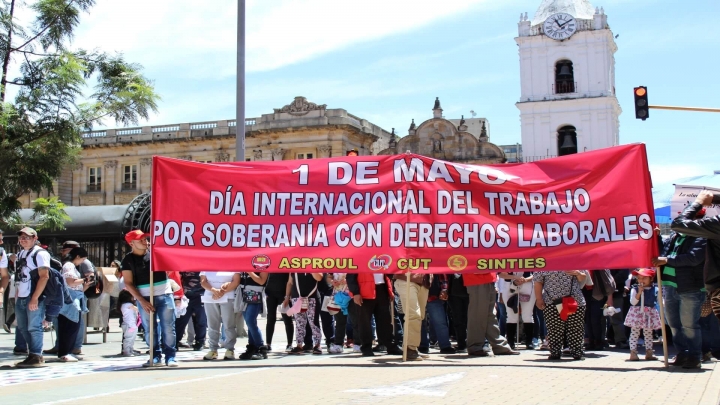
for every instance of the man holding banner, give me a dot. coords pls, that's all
(708, 228)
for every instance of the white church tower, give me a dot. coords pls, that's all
(567, 73)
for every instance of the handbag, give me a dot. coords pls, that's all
(301, 304)
(327, 300)
(252, 294)
(525, 297)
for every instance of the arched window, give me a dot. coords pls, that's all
(567, 141)
(564, 77)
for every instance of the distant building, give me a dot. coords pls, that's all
(116, 164)
(449, 140)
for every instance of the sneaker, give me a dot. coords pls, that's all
(69, 359)
(128, 354)
(448, 350)
(288, 348)
(183, 345)
(77, 352)
(297, 351)
(32, 361)
(424, 350)
(229, 355)
(156, 362)
(6, 328)
(707, 357)
(367, 353)
(211, 355)
(20, 352)
(691, 364)
(171, 362)
(136, 352)
(335, 349)
(317, 350)
(54, 350)
(197, 347)
(395, 351)
(460, 349)
(379, 348)
(356, 348)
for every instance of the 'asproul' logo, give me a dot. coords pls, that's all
(380, 262)
(260, 262)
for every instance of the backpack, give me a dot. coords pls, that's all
(56, 293)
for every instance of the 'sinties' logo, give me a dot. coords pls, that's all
(260, 262)
(457, 263)
(380, 262)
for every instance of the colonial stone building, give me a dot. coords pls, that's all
(116, 164)
(444, 139)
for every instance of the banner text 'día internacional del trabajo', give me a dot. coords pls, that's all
(403, 212)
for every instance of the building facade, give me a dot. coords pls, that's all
(567, 74)
(449, 140)
(116, 164)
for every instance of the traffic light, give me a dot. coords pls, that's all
(352, 152)
(642, 109)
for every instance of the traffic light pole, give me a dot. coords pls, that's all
(668, 107)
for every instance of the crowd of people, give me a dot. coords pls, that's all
(567, 313)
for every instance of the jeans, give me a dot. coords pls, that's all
(196, 313)
(29, 323)
(502, 317)
(81, 333)
(540, 327)
(165, 312)
(682, 312)
(255, 337)
(438, 321)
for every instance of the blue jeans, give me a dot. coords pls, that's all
(540, 329)
(438, 322)
(501, 317)
(165, 311)
(29, 323)
(250, 314)
(683, 316)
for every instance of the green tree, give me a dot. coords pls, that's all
(40, 130)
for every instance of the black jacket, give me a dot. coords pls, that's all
(688, 263)
(708, 228)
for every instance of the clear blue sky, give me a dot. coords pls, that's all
(386, 61)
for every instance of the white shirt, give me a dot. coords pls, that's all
(70, 271)
(3, 260)
(379, 278)
(23, 275)
(216, 279)
(129, 314)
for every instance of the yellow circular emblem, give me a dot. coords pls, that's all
(457, 263)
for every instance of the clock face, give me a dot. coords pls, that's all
(560, 26)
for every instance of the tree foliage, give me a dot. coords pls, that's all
(60, 92)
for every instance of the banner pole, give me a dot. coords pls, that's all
(407, 318)
(662, 315)
(151, 317)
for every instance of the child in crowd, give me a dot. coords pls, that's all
(126, 304)
(643, 315)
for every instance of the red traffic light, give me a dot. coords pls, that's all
(640, 91)
(642, 109)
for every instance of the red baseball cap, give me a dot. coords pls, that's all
(644, 272)
(135, 235)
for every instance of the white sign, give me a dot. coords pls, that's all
(685, 195)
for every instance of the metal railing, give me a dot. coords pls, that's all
(564, 87)
(129, 186)
(93, 188)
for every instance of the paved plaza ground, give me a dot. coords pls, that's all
(103, 377)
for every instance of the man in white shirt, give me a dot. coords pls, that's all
(33, 272)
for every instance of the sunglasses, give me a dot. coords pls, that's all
(25, 237)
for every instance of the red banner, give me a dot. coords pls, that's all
(404, 212)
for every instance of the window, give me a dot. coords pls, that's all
(94, 179)
(304, 156)
(567, 141)
(564, 77)
(129, 177)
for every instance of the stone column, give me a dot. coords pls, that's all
(77, 184)
(110, 183)
(145, 175)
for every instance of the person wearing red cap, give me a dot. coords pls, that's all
(136, 274)
(558, 295)
(643, 316)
